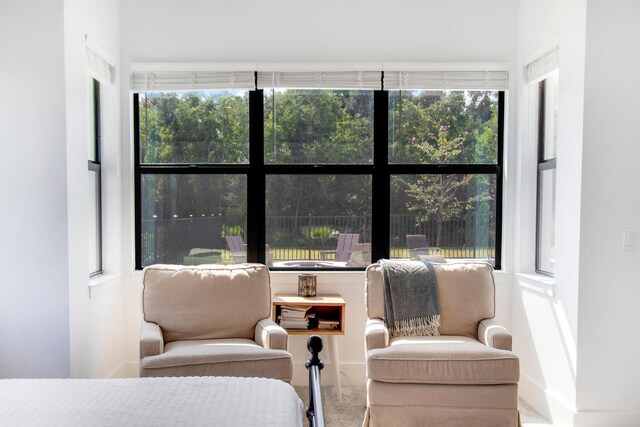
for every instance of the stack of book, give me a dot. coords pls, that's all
(328, 324)
(295, 316)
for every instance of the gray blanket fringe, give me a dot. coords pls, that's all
(419, 326)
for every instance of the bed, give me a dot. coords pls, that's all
(178, 401)
(158, 401)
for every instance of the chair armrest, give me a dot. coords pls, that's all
(491, 334)
(151, 340)
(376, 334)
(269, 334)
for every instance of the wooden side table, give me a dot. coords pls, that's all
(331, 307)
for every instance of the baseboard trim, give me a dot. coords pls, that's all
(607, 418)
(545, 402)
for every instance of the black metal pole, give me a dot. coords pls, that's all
(315, 411)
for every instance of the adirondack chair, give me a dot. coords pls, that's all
(417, 245)
(346, 244)
(239, 250)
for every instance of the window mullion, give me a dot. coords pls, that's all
(137, 180)
(499, 180)
(381, 187)
(256, 188)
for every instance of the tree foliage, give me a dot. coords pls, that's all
(443, 128)
(317, 127)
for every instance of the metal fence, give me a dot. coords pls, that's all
(296, 237)
(469, 237)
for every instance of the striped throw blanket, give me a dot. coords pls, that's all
(411, 305)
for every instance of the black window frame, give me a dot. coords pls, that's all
(543, 164)
(95, 165)
(380, 171)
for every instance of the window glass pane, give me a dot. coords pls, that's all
(452, 215)
(185, 219)
(194, 127)
(546, 220)
(550, 116)
(321, 221)
(318, 126)
(443, 127)
(95, 244)
(93, 140)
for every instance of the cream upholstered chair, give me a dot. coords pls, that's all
(467, 376)
(211, 320)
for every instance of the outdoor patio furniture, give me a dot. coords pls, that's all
(361, 255)
(346, 244)
(199, 256)
(239, 250)
(417, 245)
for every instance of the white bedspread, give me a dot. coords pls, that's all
(193, 401)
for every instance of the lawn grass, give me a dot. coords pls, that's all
(287, 254)
(291, 254)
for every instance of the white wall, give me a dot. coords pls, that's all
(573, 333)
(608, 370)
(96, 306)
(51, 323)
(34, 307)
(545, 311)
(334, 30)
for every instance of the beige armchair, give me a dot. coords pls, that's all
(467, 376)
(211, 320)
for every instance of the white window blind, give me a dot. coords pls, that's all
(370, 80)
(439, 80)
(542, 65)
(142, 81)
(101, 65)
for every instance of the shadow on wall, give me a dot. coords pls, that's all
(543, 341)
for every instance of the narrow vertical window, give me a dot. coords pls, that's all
(546, 203)
(95, 186)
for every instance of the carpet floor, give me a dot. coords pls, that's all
(350, 412)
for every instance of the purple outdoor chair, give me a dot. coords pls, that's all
(417, 245)
(346, 244)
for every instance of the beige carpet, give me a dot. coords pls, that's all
(350, 412)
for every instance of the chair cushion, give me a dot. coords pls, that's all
(442, 360)
(222, 357)
(206, 302)
(466, 295)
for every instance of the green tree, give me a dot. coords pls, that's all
(458, 127)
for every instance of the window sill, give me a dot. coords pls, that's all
(102, 283)
(538, 283)
(328, 272)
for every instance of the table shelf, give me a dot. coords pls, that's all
(331, 307)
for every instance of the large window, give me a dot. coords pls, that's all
(317, 171)
(546, 201)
